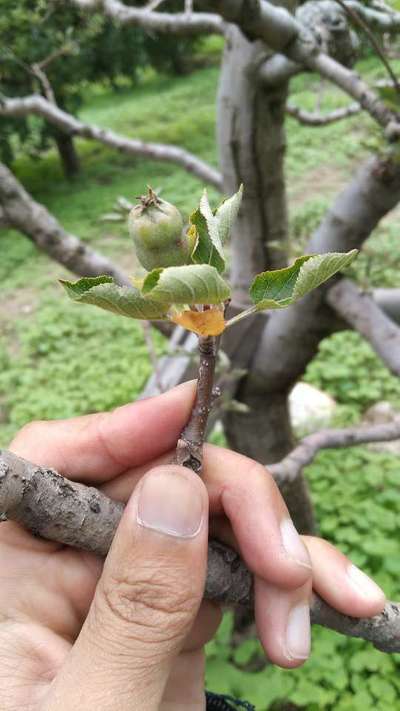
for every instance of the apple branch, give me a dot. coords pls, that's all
(190, 443)
(38, 105)
(66, 512)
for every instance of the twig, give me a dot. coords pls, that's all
(55, 508)
(190, 444)
(41, 75)
(313, 118)
(361, 23)
(359, 309)
(289, 468)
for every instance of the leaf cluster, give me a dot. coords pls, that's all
(195, 294)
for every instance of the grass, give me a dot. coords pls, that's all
(60, 360)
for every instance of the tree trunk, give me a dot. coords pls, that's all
(68, 155)
(252, 143)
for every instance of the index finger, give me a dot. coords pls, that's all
(95, 448)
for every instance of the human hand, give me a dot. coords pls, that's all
(75, 634)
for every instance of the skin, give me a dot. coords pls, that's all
(77, 634)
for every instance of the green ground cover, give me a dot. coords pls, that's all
(59, 360)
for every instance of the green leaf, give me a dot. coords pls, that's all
(205, 252)
(102, 291)
(281, 287)
(212, 229)
(192, 284)
(212, 223)
(227, 212)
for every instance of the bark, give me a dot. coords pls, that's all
(32, 219)
(189, 449)
(252, 143)
(66, 512)
(68, 155)
(291, 336)
(382, 630)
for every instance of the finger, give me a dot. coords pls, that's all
(94, 448)
(146, 600)
(283, 623)
(245, 493)
(340, 583)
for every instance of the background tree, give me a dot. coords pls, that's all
(55, 49)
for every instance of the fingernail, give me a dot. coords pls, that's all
(364, 584)
(293, 544)
(298, 633)
(170, 503)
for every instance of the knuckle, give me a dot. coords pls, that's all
(155, 599)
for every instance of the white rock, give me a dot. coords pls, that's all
(380, 412)
(310, 408)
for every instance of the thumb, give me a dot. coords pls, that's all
(146, 600)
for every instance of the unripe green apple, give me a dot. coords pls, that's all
(156, 227)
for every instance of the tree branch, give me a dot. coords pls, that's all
(287, 35)
(69, 513)
(182, 23)
(314, 118)
(360, 310)
(262, 20)
(67, 123)
(382, 630)
(388, 21)
(352, 84)
(359, 20)
(30, 217)
(289, 468)
(190, 444)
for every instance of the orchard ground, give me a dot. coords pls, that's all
(61, 360)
